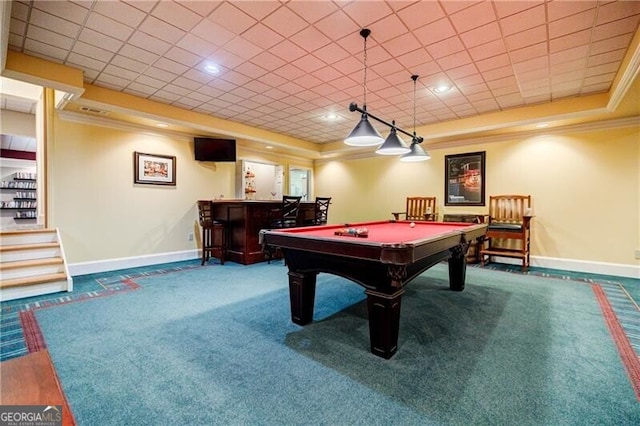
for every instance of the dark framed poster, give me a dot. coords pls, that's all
(464, 179)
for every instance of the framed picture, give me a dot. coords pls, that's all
(464, 179)
(154, 169)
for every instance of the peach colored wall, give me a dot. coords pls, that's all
(585, 189)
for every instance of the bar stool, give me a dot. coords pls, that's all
(214, 233)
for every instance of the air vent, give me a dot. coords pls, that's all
(93, 110)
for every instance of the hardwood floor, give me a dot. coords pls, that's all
(32, 380)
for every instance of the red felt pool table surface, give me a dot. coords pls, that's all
(382, 232)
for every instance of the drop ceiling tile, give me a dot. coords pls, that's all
(262, 36)
(176, 15)
(232, 18)
(151, 82)
(339, 25)
(445, 47)
(615, 11)
(120, 72)
(242, 48)
(287, 51)
(420, 13)
(310, 39)
(56, 24)
(612, 29)
(19, 11)
(572, 23)
(138, 39)
(120, 12)
(142, 88)
(579, 38)
(49, 37)
(290, 72)
(523, 20)
(72, 12)
(81, 61)
(493, 63)
(294, 22)
(613, 43)
(561, 9)
(108, 26)
(251, 70)
(130, 51)
(212, 33)
(488, 50)
(508, 8)
(161, 30)
(196, 45)
(366, 13)
(614, 56)
(434, 32)
(527, 38)
(226, 58)
(313, 11)
(453, 61)
(258, 9)
(481, 35)
(481, 13)
(39, 49)
(183, 57)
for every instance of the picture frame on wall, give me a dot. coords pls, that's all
(464, 181)
(154, 169)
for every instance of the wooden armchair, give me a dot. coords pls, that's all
(509, 230)
(419, 208)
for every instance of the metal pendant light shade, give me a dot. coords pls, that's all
(364, 134)
(417, 153)
(393, 145)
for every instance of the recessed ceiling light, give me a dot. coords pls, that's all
(268, 147)
(541, 125)
(442, 88)
(162, 125)
(212, 68)
(331, 116)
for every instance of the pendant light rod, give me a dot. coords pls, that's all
(354, 107)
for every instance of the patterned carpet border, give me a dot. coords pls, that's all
(20, 333)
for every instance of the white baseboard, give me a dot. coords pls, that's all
(604, 268)
(84, 268)
(614, 269)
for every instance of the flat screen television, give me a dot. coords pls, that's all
(209, 149)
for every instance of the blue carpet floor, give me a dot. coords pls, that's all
(185, 344)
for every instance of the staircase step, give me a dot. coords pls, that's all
(49, 261)
(33, 280)
(31, 236)
(37, 246)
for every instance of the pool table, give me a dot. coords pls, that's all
(383, 262)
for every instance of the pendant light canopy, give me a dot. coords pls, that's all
(417, 153)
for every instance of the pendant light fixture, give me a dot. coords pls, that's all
(416, 153)
(393, 145)
(364, 134)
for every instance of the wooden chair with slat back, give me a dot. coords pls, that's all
(419, 208)
(214, 233)
(509, 230)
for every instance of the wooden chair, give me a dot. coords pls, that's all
(321, 211)
(214, 233)
(509, 230)
(419, 208)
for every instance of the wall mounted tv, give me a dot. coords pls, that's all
(209, 149)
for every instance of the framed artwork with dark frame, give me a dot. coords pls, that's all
(464, 179)
(153, 169)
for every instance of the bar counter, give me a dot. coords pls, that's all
(245, 219)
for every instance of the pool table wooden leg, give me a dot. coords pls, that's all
(458, 268)
(384, 322)
(302, 295)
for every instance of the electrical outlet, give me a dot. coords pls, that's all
(190, 236)
(637, 253)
